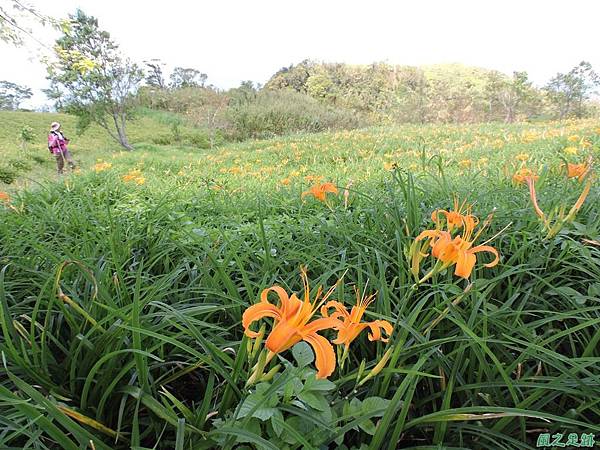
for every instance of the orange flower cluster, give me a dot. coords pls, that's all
(293, 321)
(4, 197)
(451, 249)
(320, 190)
(134, 176)
(578, 171)
(101, 166)
(523, 174)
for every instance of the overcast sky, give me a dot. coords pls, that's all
(233, 41)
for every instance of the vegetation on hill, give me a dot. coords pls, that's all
(440, 93)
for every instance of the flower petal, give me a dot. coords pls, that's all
(256, 312)
(283, 336)
(489, 249)
(329, 187)
(376, 326)
(288, 306)
(464, 264)
(431, 234)
(340, 309)
(323, 323)
(324, 354)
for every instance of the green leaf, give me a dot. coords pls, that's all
(303, 354)
(277, 421)
(263, 412)
(250, 402)
(368, 426)
(569, 292)
(594, 290)
(354, 408)
(314, 384)
(314, 400)
(374, 405)
(300, 425)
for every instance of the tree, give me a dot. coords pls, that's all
(154, 74)
(186, 77)
(12, 95)
(410, 95)
(15, 18)
(568, 92)
(211, 112)
(95, 82)
(514, 93)
(242, 95)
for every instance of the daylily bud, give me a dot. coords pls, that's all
(258, 341)
(361, 370)
(378, 368)
(258, 369)
(579, 203)
(271, 373)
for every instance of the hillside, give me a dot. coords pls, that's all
(34, 161)
(447, 93)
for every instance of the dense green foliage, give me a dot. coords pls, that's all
(122, 302)
(246, 113)
(312, 96)
(440, 93)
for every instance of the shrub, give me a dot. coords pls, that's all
(162, 139)
(240, 114)
(196, 139)
(38, 159)
(279, 112)
(19, 164)
(8, 174)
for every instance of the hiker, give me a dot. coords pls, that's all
(57, 145)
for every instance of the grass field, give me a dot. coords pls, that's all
(31, 162)
(123, 288)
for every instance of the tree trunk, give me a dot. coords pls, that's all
(121, 135)
(124, 141)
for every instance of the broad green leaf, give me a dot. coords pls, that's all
(303, 354)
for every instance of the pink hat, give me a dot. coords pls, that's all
(54, 126)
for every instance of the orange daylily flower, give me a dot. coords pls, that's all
(292, 324)
(4, 197)
(101, 166)
(350, 325)
(455, 218)
(531, 185)
(458, 250)
(522, 174)
(577, 170)
(135, 176)
(319, 191)
(561, 218)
